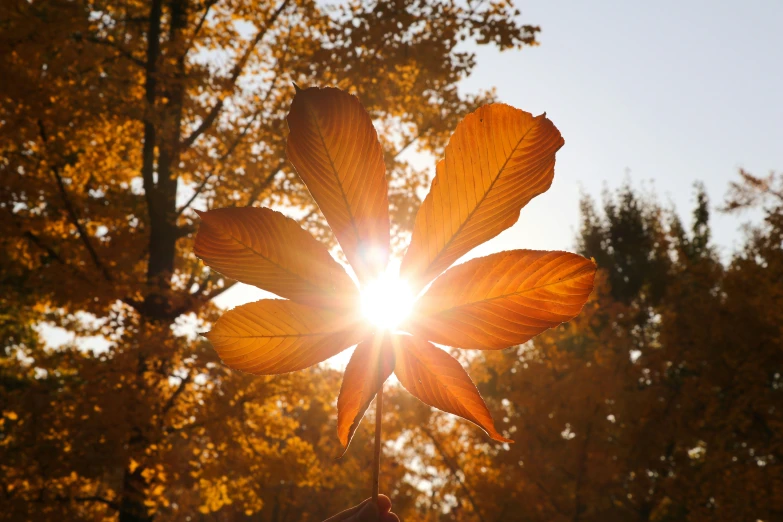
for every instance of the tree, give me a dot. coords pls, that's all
(121, 119)
(657, 403)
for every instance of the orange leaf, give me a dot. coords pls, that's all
(371, 364)
(503, 299)
(436, 378)
(497, 160)
(264, 248)
(335, 150)
(274, 336)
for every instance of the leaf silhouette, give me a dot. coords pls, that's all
(497, 160)
(335, 150)
(264, 248)
(274, 336)
(436, 378)
(503, 299)
(371, 364)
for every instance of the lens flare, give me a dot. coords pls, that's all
(387, 302)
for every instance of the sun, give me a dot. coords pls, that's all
(387, 301)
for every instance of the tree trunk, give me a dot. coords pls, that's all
(161, 136)
(132, 508)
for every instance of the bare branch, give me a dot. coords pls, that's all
(199, 25)
(410, 142)
(236, 72)
(242, 133)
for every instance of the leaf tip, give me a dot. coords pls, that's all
(495, 435)
(339, 457)
(296, 87)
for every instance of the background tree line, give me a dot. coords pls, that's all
(660, 402)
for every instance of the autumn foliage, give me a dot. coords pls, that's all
(660, 401)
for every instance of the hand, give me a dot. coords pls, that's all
(367, 511)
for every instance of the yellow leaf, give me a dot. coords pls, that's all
(335, 150)
(497, 160)
(371, 364)
(264, 248)
(503, 299)
(274, 336)
(436, 378)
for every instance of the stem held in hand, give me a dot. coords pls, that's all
(376, 470)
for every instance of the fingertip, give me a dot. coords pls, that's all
(384, 503)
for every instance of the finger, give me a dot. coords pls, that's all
(369, 513)
(348, 514)
(384, 503)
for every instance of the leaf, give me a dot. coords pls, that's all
(275, 336)
(436, 378)
(503, 299)
(264, 248)
(371, 364)
(335, 150)
(497, 160)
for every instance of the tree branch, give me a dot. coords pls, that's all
(205, 298)
(74, 217)
(173, 399)
(222, 158)
(410, 142)
(89, 498)
(94, 498)
(455, 468)
(225, 155)
(264, 184)
(243, 133)
(199, 25)
(37, 242)
(236, 72)
(121, 50)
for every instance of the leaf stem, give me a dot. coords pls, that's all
(376, 470)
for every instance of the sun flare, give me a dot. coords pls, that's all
(387, 301)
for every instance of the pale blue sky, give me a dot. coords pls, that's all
(668, 91)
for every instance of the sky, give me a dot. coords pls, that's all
(661, 93)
